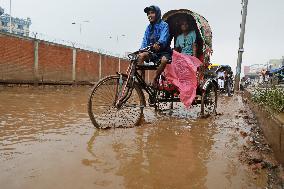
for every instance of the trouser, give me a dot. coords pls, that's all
(228, 86)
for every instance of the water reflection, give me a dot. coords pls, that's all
(46, 135)
(166, 155)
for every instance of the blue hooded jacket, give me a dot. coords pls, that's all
(157, 32)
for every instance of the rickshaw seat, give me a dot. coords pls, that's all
(150, 66)
(147, 67)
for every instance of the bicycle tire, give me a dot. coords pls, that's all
(101, 108)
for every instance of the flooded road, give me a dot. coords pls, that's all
(48, 141)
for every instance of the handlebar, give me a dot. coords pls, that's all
(148, 49)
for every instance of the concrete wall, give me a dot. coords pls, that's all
(272, 126)
(26, 60)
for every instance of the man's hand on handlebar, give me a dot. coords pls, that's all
(156, 47)
(151, 48)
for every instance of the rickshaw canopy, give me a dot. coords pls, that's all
(202, 27)
(224, 68)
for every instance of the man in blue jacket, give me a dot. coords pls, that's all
(156, 34)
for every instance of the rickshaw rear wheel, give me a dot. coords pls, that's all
(209, 100)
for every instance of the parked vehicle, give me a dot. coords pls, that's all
(277, 76)
(225, 80)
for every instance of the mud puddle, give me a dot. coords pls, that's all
(47, 141)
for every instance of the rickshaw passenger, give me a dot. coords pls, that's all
(156, 34)
(186, 42)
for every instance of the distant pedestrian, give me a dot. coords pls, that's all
(228, 82)
(263, 73)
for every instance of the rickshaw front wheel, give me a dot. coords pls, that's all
(102, 108)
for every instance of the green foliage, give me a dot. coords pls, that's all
(271, 97)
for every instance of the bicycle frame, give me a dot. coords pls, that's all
(133, 77)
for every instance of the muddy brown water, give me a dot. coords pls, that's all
(48, 141)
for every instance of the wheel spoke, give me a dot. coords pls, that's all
(102, 111)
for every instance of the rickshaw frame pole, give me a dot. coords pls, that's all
(241, 45)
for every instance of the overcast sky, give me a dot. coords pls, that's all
(264, 37)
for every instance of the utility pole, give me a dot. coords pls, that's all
(241, 45)
(118, 37)
(80, 24)
(10, 16)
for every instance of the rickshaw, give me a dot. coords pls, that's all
(228, 79)
(119, 100)
(210, 72)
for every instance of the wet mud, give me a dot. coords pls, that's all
(48, 141)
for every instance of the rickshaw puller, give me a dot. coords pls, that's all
(157, 33)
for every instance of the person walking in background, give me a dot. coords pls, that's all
(228, 82)
(263, 72)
